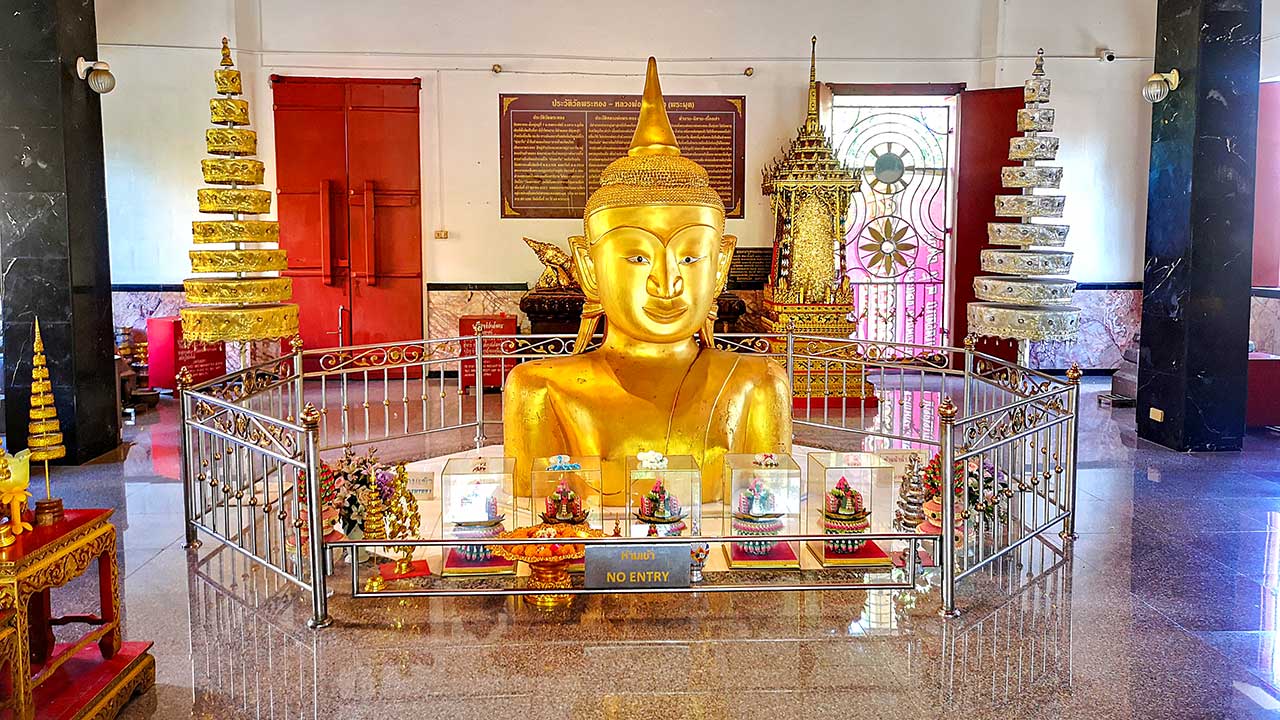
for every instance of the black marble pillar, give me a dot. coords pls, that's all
(53, 224)
(1193, 358)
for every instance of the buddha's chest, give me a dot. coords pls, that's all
(673, 423)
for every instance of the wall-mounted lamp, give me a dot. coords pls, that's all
(1160, 85)
(97, 73)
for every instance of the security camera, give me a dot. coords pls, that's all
(97, 73)
(1106, 56)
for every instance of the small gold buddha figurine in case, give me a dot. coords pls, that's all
(653, 259)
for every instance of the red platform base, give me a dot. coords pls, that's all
(455, 564)
(848, 403)
(783, 555)
(417, 568)
(86, 686)
(869, 555)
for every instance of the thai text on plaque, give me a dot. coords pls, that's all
(553, 147)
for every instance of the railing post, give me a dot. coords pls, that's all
(479, 386)
(967, 403)
(947, 543)
(791, 355)
(315, 538)
(1073, 408)
(191, 541)
(295, 344)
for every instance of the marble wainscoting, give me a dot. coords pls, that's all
(446, 304)
(131, 308)
(1108, 319)
(1264, 324)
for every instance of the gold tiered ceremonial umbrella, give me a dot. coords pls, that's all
(44, 433)
(1025, 302)
(240, 299)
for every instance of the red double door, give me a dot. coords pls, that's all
(349, 204)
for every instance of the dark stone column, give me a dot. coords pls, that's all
(1195, 303)
(53, 224)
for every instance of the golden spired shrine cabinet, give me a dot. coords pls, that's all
(238, 299)
(1021, 303)
(808, 289)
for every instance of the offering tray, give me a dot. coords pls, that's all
(575, 520)
(661, 521)
(549, 562)
(480, 523)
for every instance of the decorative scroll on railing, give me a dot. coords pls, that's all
(1015, 472)
(872, 353)
(243, 475)
(1013, 378)
(374, 393)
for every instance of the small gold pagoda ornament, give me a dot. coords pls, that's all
(245, 301)
(44, 434)
(1025, 303)
(808, 287)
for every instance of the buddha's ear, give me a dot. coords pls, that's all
(727, 245)
(584, 268)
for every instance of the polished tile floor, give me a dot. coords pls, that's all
(1169, 607)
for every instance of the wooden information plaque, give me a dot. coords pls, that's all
(554, 146)
(750, 267)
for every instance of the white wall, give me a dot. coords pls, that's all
(164, 54)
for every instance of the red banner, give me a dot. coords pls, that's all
(167, 353)
(494, 369)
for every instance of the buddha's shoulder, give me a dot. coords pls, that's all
(756, 373)
(544, 373)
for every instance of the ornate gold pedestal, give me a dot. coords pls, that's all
(549, 576)
(547, 571)
(839, 379)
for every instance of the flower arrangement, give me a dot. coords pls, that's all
(769, 460)
(986, 486)
(651, 460)
(347, 485)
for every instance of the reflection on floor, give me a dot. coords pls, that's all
(1167, 609)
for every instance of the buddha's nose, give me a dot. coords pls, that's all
(664, 281)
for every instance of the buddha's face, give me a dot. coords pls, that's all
(656, 269)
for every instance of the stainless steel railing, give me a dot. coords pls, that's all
(251, 446)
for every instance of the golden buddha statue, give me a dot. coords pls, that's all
(652, 262)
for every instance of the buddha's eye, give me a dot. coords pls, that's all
(690, 259)
(638, 260)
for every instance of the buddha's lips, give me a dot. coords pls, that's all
(665, 314)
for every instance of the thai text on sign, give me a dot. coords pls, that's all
(554, 147)
(637, 566)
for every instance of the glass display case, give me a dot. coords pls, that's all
(841, 495)
(763, 492)
(476, 504)
(566, 489)
(663, 501)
